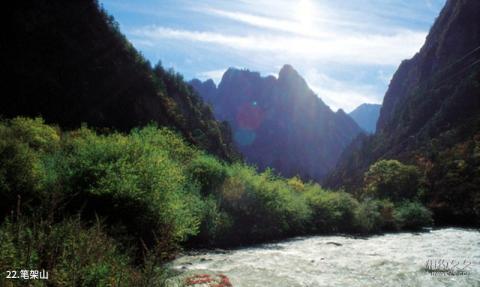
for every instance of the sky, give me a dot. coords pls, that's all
(346, 50)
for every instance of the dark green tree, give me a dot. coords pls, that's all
(392, 179)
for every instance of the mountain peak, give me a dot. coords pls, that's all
(233, 73)
(341, 112)
(210, 83)
(284, 116)
(366, 116)
(287, 71)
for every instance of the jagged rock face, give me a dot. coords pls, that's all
(280, 123)
(431, 117)
(366, 116)
(434, 92)
(455, 33)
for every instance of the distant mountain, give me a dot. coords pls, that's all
(366, 116)
(207, 89)
(280, 122)
(431, 117)
(68, 62)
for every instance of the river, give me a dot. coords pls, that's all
(397, 259)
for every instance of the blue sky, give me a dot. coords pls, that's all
(346, 50)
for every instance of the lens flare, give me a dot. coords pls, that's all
(249, 116)
(244, 137)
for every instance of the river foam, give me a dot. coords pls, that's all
(443, 257)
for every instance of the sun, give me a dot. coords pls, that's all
(304, 15)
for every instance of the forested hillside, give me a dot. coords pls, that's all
(68, 62)
(280, 122)
(430, 117)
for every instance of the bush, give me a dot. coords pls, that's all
(32, 132)
(390, 179)
(332, 211)
(137, 181)
(412, 216)
(261, 206)
(72, 254)
(166, 140)
(215, 223)
(23, 144)
(375, 216)
(368, 217)
(131, 181)
(208, 172)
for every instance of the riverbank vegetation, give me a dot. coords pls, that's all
(115, 206)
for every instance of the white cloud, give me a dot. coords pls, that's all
(255, 20)
(340, 94)
(384, 76)
(295, 26)
(370, 49)
(143, 42)
(215, 75)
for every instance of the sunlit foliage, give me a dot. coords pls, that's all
(392, 179)
(153, 193)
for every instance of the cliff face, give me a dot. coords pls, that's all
(431, 117)
(449, 49)
(280, 123)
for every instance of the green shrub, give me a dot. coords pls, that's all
(23, 144)
(261, 206)
(137, 181)
(208, 172)
(368, 217)
(166, 140)
(72, 254)
(375, 216)
(131, 181)
(390, 179)
(331, 211)
(412, 216)
(215, 223)
(33, 132)
(387, 209)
